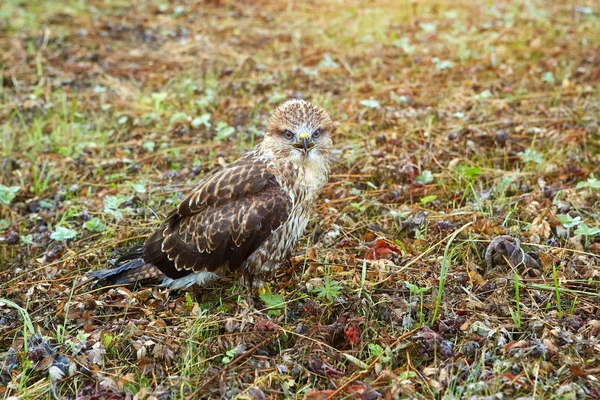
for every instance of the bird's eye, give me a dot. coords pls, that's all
(289, 135)
(316, 134)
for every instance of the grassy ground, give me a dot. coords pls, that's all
(456, 122)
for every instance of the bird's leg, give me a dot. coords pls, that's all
(247, 281)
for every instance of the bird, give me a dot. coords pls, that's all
(246, 218)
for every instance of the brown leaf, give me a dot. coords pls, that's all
(577, 371)
(380, 248)
(550, 346)
(518, 344)
(265, 325)
(315, 394)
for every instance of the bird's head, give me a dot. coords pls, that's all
(299, 131)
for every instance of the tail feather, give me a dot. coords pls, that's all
(131, 254)
(130, 272)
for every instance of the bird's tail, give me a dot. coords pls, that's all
(133, 268)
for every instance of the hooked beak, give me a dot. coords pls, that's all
(304, 143)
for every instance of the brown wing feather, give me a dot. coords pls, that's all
(221, 223)
(241, 178)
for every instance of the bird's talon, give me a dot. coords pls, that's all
(263, 289)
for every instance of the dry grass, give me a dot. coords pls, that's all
(456, 122)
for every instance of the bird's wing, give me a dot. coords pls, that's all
(221, 222)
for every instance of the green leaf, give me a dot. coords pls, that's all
(27, 239)
(330, 290)
(158, 98)
(425, 177)
(445, 64)
(139, 187)
(428, 199)
(178, 117)
(567, 221)
(204, 119)
(112, 205)
(149, 146)
(277, 97)
(371, 103)
(469, 172)
(274, 302)
(375, 349)
(95, 225)
(358, 207)
(4, 224)
(406, 375)
(223, 131)
(8, 193)
(591, 183)
(531, 155)
(328, 62)
(548, 77)
(486, 94)
(587, 230)
(404, 44)
(414, 289)
(428, 26)
(62, 233)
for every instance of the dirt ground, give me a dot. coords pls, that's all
(454, 253)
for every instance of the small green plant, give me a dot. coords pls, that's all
(531, 156)
(189, 302)
(223, 131)
(428, 199)
(557, 291)
(425, 177)
(158, 99)
(548, 77)
(178, 117)
(274, 302)
(95, 225)
(330, 288)
(139, 187)
(62, 233)
(384, 356)
(358, 207)
(149, 146)
(107, 339)
(587, 231)
(591, 183)
(203, 120)
(567, 221)
(469, 173)
(27, 239)
(418, 292)
(370, 103)
(41, 178)
(8, 193)
(572, 308)
(230, 355)
(112, 205)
